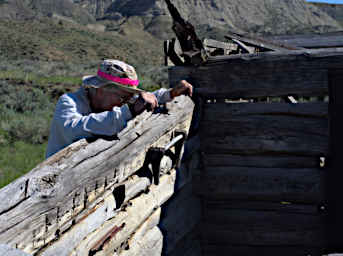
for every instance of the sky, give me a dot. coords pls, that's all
(327, 1)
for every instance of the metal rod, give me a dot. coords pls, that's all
(173, 142)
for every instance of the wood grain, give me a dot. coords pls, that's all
(41, 205)
(264, 184)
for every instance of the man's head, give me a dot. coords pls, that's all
(115, 83)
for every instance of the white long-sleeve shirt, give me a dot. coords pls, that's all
(73, 120)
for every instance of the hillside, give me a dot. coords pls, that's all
(333, 10)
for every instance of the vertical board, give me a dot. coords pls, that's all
(335, 165)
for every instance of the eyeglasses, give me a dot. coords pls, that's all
(124, 97)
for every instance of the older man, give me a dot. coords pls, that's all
(104, 104)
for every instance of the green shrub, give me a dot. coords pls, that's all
(19, 158)
(25, 114)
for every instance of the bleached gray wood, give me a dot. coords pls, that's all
(263, 184)
(65, 184)
(99, 212)
(150, 245)
(149, 224)
(134, 215)
(6, 250)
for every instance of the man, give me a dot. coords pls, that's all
(104, 104)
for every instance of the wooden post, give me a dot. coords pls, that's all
(335, 171)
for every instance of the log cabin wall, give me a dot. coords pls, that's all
(107, 197)
(266, 159)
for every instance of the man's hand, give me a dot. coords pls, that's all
(145, 101)
(183, 87)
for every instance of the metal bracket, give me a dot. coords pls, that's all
(155, 155)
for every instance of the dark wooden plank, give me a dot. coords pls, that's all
(239, 129)
(179, 216)
(281, 207)
(263, 228)
(189, 245)
(215, 250)
(335, 174)
(269, 161)
(266, 74)
(264, 184)
(325, 40)
(220, 111)
(269, 228)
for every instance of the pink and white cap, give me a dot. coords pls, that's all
(116, 73)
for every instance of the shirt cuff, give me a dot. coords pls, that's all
(126, 113)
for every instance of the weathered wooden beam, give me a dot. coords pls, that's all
(248, 49)
(262, 43)
(134, 215)
(263, 184)
(334, 167)
(6, 250)
(149, 245)
(246, 129)
(41, 205)
(98, 212)
(136, 243)
(282, 226)
(220, 111)
(268, 161)
(224, 47)
(303, 73)
(213, 249)
(325, 40)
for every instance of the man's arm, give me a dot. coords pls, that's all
(75, 125)
(183, 87)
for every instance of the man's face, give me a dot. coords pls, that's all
(107, 99)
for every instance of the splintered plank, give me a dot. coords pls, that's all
(270, 225)
(256, 128)
(300, 72)
(43, 204)
(266, 184)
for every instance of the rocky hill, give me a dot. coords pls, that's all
(259, 16)
(333, 10)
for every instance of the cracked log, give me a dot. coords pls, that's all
(68, 187)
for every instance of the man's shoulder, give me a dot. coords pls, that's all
(72, 97)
